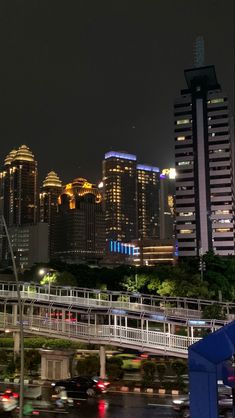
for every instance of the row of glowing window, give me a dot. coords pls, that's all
(191, 231)
(217, 212)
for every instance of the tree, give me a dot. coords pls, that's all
(114, 368)
(161, 371)
(89, 366)
(179, 367)
(32, 360)
(148, 369)
(214, 311)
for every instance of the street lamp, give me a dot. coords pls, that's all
(21, 327)
(47, 278)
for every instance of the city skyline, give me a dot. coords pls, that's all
(103, 79)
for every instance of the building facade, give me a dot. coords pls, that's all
(204, 178)
(79, 232)
(50, 191)
(148, 201)
(29, 244)
(19, 187)
(167, 204)
(120, 196)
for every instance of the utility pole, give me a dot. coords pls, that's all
(21, 327)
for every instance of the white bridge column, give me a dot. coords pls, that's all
(16, 338)
(102, 362)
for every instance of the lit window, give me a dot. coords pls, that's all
(184, 163)
(181, 138)
(185, 231)
(219, 100)
(222, 230)
(182, 121)
(185, 213)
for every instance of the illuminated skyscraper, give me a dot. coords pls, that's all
(19, 192)
(79, 233)
(204, 184)
(148, 201)
(51, 189)
(120, 196)
(167, 204)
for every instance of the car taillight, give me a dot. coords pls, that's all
(100, 385)
(106, 383)
(15, 395)
(35, 413)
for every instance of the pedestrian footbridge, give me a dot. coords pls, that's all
(166, 326)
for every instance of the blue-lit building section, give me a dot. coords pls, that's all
(122, 248)
(122, 155)
(148, 168)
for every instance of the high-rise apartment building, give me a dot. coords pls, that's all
(204, 183)
(148, 201)
(19, 191)
(50, 191)
(167, 204)
(120, 196)
(79, 233)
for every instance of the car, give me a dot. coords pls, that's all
(8, 401)
(225, 405)
(81, 386)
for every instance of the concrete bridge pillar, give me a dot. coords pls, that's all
(16, 338)
(14, 314)
(102, 362)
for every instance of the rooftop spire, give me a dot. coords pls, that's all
(199, 52)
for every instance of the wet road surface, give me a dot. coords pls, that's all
(124, 406)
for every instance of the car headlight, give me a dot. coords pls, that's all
(178, 401)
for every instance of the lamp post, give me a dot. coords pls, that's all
(21, 327)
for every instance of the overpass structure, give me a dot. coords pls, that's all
(124, 319)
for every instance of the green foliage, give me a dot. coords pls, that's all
(214, 311)
(114, 368)
(182, 279)
(6, 342)
(32, 360)
(148, 369)
(179, 367)
(89, 366)
(59, 344)
(161, 371)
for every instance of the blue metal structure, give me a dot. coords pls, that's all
(206, 359)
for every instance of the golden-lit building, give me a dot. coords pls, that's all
(79, 228)
(153, 252)
(19, 187)
(50, 191)
(120, 196)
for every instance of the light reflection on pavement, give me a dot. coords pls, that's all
(124, 406)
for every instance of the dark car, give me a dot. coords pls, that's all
(225, 406)
(81, 386)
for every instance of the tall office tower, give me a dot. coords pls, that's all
(148, 201)
(120, 196)
(50, 191)
(79, 233)
(167, 203)
(204, 191)
(19, 193)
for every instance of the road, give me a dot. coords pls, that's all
(116, 405)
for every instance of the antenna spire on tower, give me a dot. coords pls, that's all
(199, 52)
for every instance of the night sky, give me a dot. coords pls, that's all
(79, 78)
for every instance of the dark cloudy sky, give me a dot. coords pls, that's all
(78, 78)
